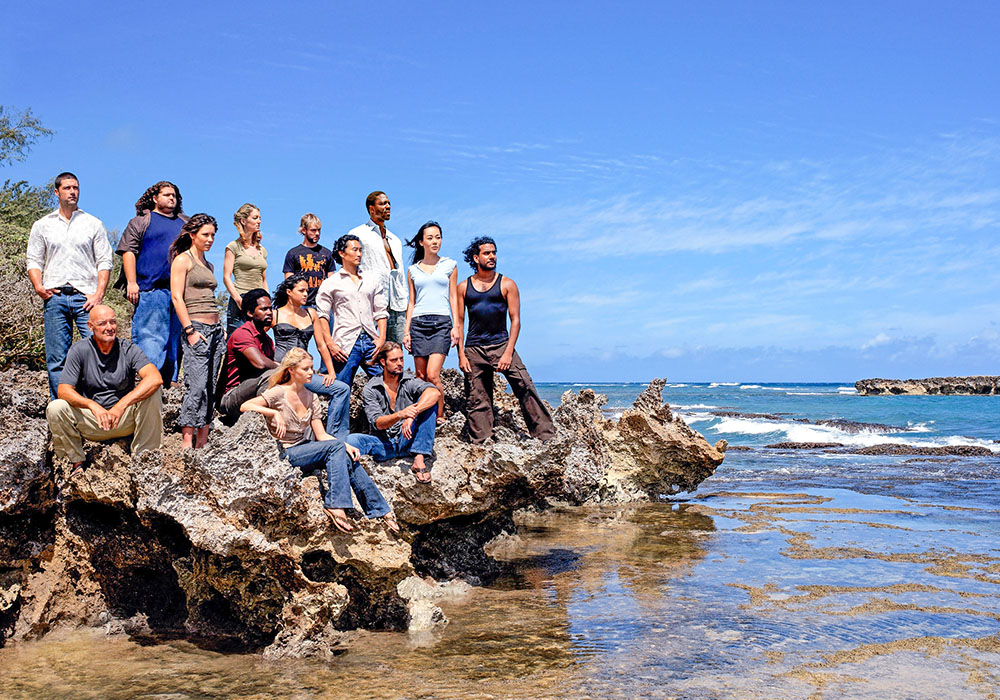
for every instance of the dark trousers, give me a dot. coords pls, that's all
(479, 394)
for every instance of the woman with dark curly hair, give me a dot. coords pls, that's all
(430, 329)
(192, 288)
(245, 264)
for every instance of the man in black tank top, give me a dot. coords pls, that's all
(489, 298)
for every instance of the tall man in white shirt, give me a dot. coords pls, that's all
(354, 300)
(382, 254)
(69, 264)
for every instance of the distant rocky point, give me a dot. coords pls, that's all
(981, 385)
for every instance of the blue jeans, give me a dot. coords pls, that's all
(157, 331)
(363, 348)
(61, 311)
(342, 475)
(381, 448)
(234, 318)
(338, 418)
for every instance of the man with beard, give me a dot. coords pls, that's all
(249, 356)
(98, 395)
(490, 298)
(402, 413)
(69, 265)
(382, 254)
(310, 258)
(144, 247)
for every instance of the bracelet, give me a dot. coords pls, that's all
(188, 330)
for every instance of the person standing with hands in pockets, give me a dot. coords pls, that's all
(192, 290)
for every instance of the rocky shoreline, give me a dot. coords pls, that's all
(229, 546)
(976, 385)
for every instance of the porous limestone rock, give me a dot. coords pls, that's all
(230, 546)
(932, 385)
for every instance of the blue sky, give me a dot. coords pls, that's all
(716, 191)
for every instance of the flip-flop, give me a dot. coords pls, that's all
(417, 471)
(390, 522)
(341, 523)
(76, 469)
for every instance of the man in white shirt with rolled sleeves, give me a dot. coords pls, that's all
(382, 254)
(69, 264)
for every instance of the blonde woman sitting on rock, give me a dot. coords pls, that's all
(294, 418)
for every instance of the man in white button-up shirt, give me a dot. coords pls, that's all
(382, 254)
(69, 264)
(354, 301)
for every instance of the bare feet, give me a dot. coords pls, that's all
(339, 518)
(390, 522)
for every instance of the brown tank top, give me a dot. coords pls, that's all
(199, 290)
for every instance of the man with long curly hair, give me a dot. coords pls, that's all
(144, 248)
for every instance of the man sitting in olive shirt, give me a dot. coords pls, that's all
(98, 396)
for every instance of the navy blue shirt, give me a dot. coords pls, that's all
(152, 264)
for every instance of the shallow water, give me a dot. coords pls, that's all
(788, 574)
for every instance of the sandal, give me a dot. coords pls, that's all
(390, 522)
(340, 521)
(418, 471)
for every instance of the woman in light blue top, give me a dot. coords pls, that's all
(430, 329)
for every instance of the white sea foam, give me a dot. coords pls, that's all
(676, 386)
(751, 386)
(807, 393)
(696, 417)
(846, 390)
(715, 384)
(805, 432)
(688, 407)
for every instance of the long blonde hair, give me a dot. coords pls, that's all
(240, 218)
(283, 374)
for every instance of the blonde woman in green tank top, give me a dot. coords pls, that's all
(245, 264)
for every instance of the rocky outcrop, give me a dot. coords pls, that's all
(932, 385)
(229, 546)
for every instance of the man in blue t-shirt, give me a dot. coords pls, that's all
(144, 248)
(310, 258)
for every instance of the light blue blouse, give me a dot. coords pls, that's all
(432, 289)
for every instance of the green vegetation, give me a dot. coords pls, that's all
(22, 337)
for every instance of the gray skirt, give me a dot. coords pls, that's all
(430, 335)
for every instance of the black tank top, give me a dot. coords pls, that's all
(487, 314)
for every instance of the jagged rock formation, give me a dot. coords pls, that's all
(229, 546)
(932, 385)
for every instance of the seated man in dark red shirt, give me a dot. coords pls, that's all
(249, 356)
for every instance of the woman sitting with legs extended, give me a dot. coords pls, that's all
(294, 326)
(293, 417)
(430, 330)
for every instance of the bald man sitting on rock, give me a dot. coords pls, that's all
(99, 398)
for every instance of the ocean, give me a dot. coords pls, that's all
(790, 573)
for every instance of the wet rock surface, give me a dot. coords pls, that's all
(932, 385)
(229, 546)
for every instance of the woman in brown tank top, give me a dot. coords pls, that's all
(192, 291)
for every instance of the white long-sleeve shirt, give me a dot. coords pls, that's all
(69, 252)
(355, 308)
(374, 260)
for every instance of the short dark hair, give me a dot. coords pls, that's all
(65, 176)
(473, 250)
(370, 199)
(250, 300)
(418, 250)
(341, 245)
(387, 347)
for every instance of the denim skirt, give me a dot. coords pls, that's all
(430, 335)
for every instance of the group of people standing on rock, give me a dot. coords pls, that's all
(360, 315)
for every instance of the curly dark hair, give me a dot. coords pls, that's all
(473, 250)
(250, 300)
(280, 297)
(183, 240)
(341, 245)
(145, 202)
(418, 250)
